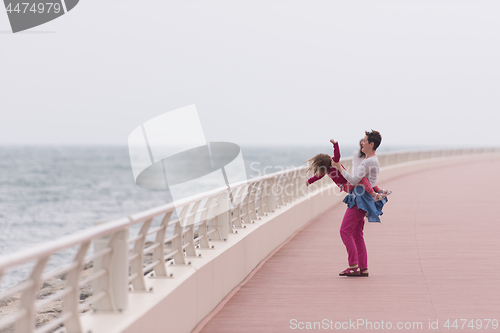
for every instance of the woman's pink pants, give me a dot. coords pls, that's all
(351, 232)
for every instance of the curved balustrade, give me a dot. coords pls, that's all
(118, 260)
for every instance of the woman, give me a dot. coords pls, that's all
(351, 230)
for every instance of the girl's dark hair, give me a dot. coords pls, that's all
(319, 162)
(361, 154)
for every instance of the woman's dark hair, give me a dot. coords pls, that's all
(374, 137)
(361, 154)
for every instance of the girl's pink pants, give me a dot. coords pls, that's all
(351, 232)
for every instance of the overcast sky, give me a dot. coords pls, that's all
(260, 72)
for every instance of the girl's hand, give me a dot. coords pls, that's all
(307, 182)
(337, 165)
(333, 141)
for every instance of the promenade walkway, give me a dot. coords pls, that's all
(434, 257)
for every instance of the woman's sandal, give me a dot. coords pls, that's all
(363, 271)
(351, 271)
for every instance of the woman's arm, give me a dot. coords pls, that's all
(362, 171)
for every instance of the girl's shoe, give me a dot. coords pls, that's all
(351, 271)
(363, 271)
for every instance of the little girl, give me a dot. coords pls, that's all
(322, 162)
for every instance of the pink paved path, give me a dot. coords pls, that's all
(435, 256)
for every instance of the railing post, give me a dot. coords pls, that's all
(279, 190)
(177, 244)
(265, 196)
(251, 203)
(297, 178)
(245, 204)
(219, 217)
(290, 186)
(189, 241)
(26, 324)
(159, 252)
(115, 282)
(295, 185)
(188, 222)
(224, 218)
(235, 210)
(119, 270)
(286, 188)
(71, 301)
(137, 258)
(259, 198)
(202, 231)
(272, 194)
(301, 183)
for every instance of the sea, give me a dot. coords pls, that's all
(47, 192)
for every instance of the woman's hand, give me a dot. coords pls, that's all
(337, 165)
(307, 182)
(333, 141)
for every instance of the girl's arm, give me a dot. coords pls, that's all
(313, 179)
(381, 191)
(366, 185)
(336, 151)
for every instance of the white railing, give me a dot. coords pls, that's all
(118, 259)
